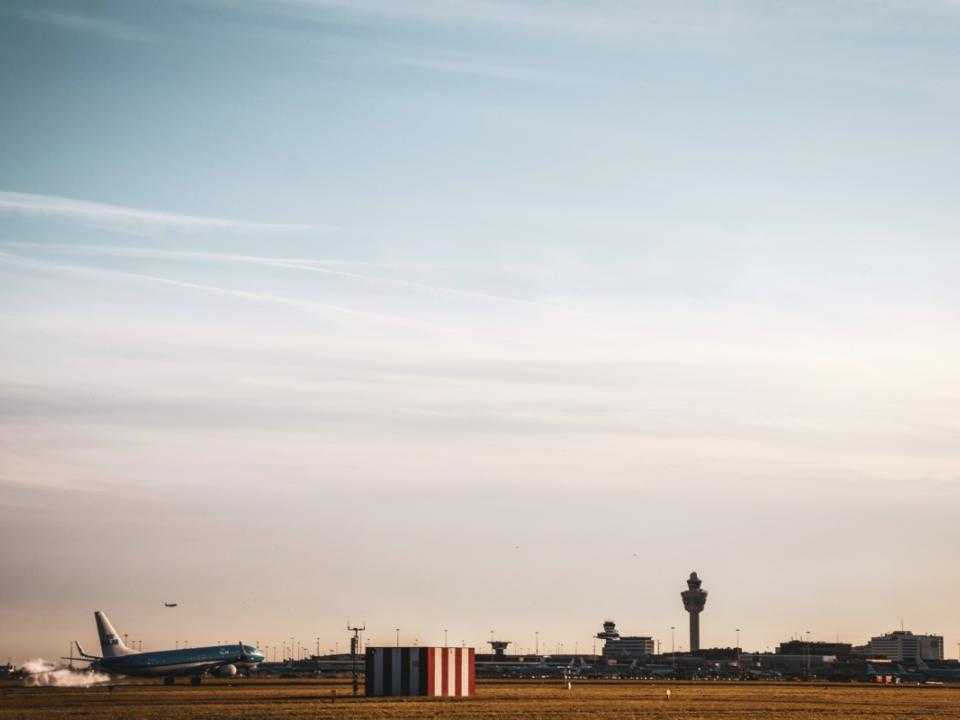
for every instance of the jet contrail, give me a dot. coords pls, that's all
(305, 265)
(214, 290)
(29, 203)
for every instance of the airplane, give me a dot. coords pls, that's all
(166, 604)
(938, 673)
(118, 659)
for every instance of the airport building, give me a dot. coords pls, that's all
(904, 645)
(623, 647)
(430, 671)
(802, 647)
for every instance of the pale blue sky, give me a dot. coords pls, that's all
(314, 310)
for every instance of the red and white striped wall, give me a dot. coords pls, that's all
(430, 671)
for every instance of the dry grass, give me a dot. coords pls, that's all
(290, 700)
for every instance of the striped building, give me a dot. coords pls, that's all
(430, 671)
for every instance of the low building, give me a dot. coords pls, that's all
(430, 671)
(902, 645)
(802, 647)
(803, 665)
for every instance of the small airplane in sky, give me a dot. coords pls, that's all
(166, 604)
(118, 659)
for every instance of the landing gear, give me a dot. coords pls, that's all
(195, 680)
(168, 681)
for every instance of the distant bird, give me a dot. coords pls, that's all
(166, 604)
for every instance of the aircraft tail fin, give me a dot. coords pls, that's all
(111, 644)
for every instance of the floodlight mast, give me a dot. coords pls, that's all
(354, 647)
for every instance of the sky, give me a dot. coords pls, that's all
(478, 316)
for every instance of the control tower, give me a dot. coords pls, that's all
(499, 647)
(609, 631)
(694, 598)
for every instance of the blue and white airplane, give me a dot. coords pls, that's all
(118, 659)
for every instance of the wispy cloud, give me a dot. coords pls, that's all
(249, 295)
(105, 27)
(134, 220)
(587, 21)
(304, 265)
(490, 71)
(624, 20)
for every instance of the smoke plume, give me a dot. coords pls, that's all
(41, 673)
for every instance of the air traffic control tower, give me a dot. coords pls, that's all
(499, 648)
(693, 601)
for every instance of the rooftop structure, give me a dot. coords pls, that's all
(694, 599)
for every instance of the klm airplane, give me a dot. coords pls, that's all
(118, 659)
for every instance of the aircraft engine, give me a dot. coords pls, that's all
(226, 671)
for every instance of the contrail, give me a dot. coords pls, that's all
(214, 290)
(126, 217)
(298, 264)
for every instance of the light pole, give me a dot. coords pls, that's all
(398, 636)
(354, 647)
(673, 644)
(536, 642)
(445, 637)
(738, 638)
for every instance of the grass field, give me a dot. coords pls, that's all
(251, 700)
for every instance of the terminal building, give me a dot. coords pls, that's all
(624, 647)
(902, 645)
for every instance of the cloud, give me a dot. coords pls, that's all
(104, 27)
(129, 219)
(626, 21)
(563, 19)
(486, 70)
